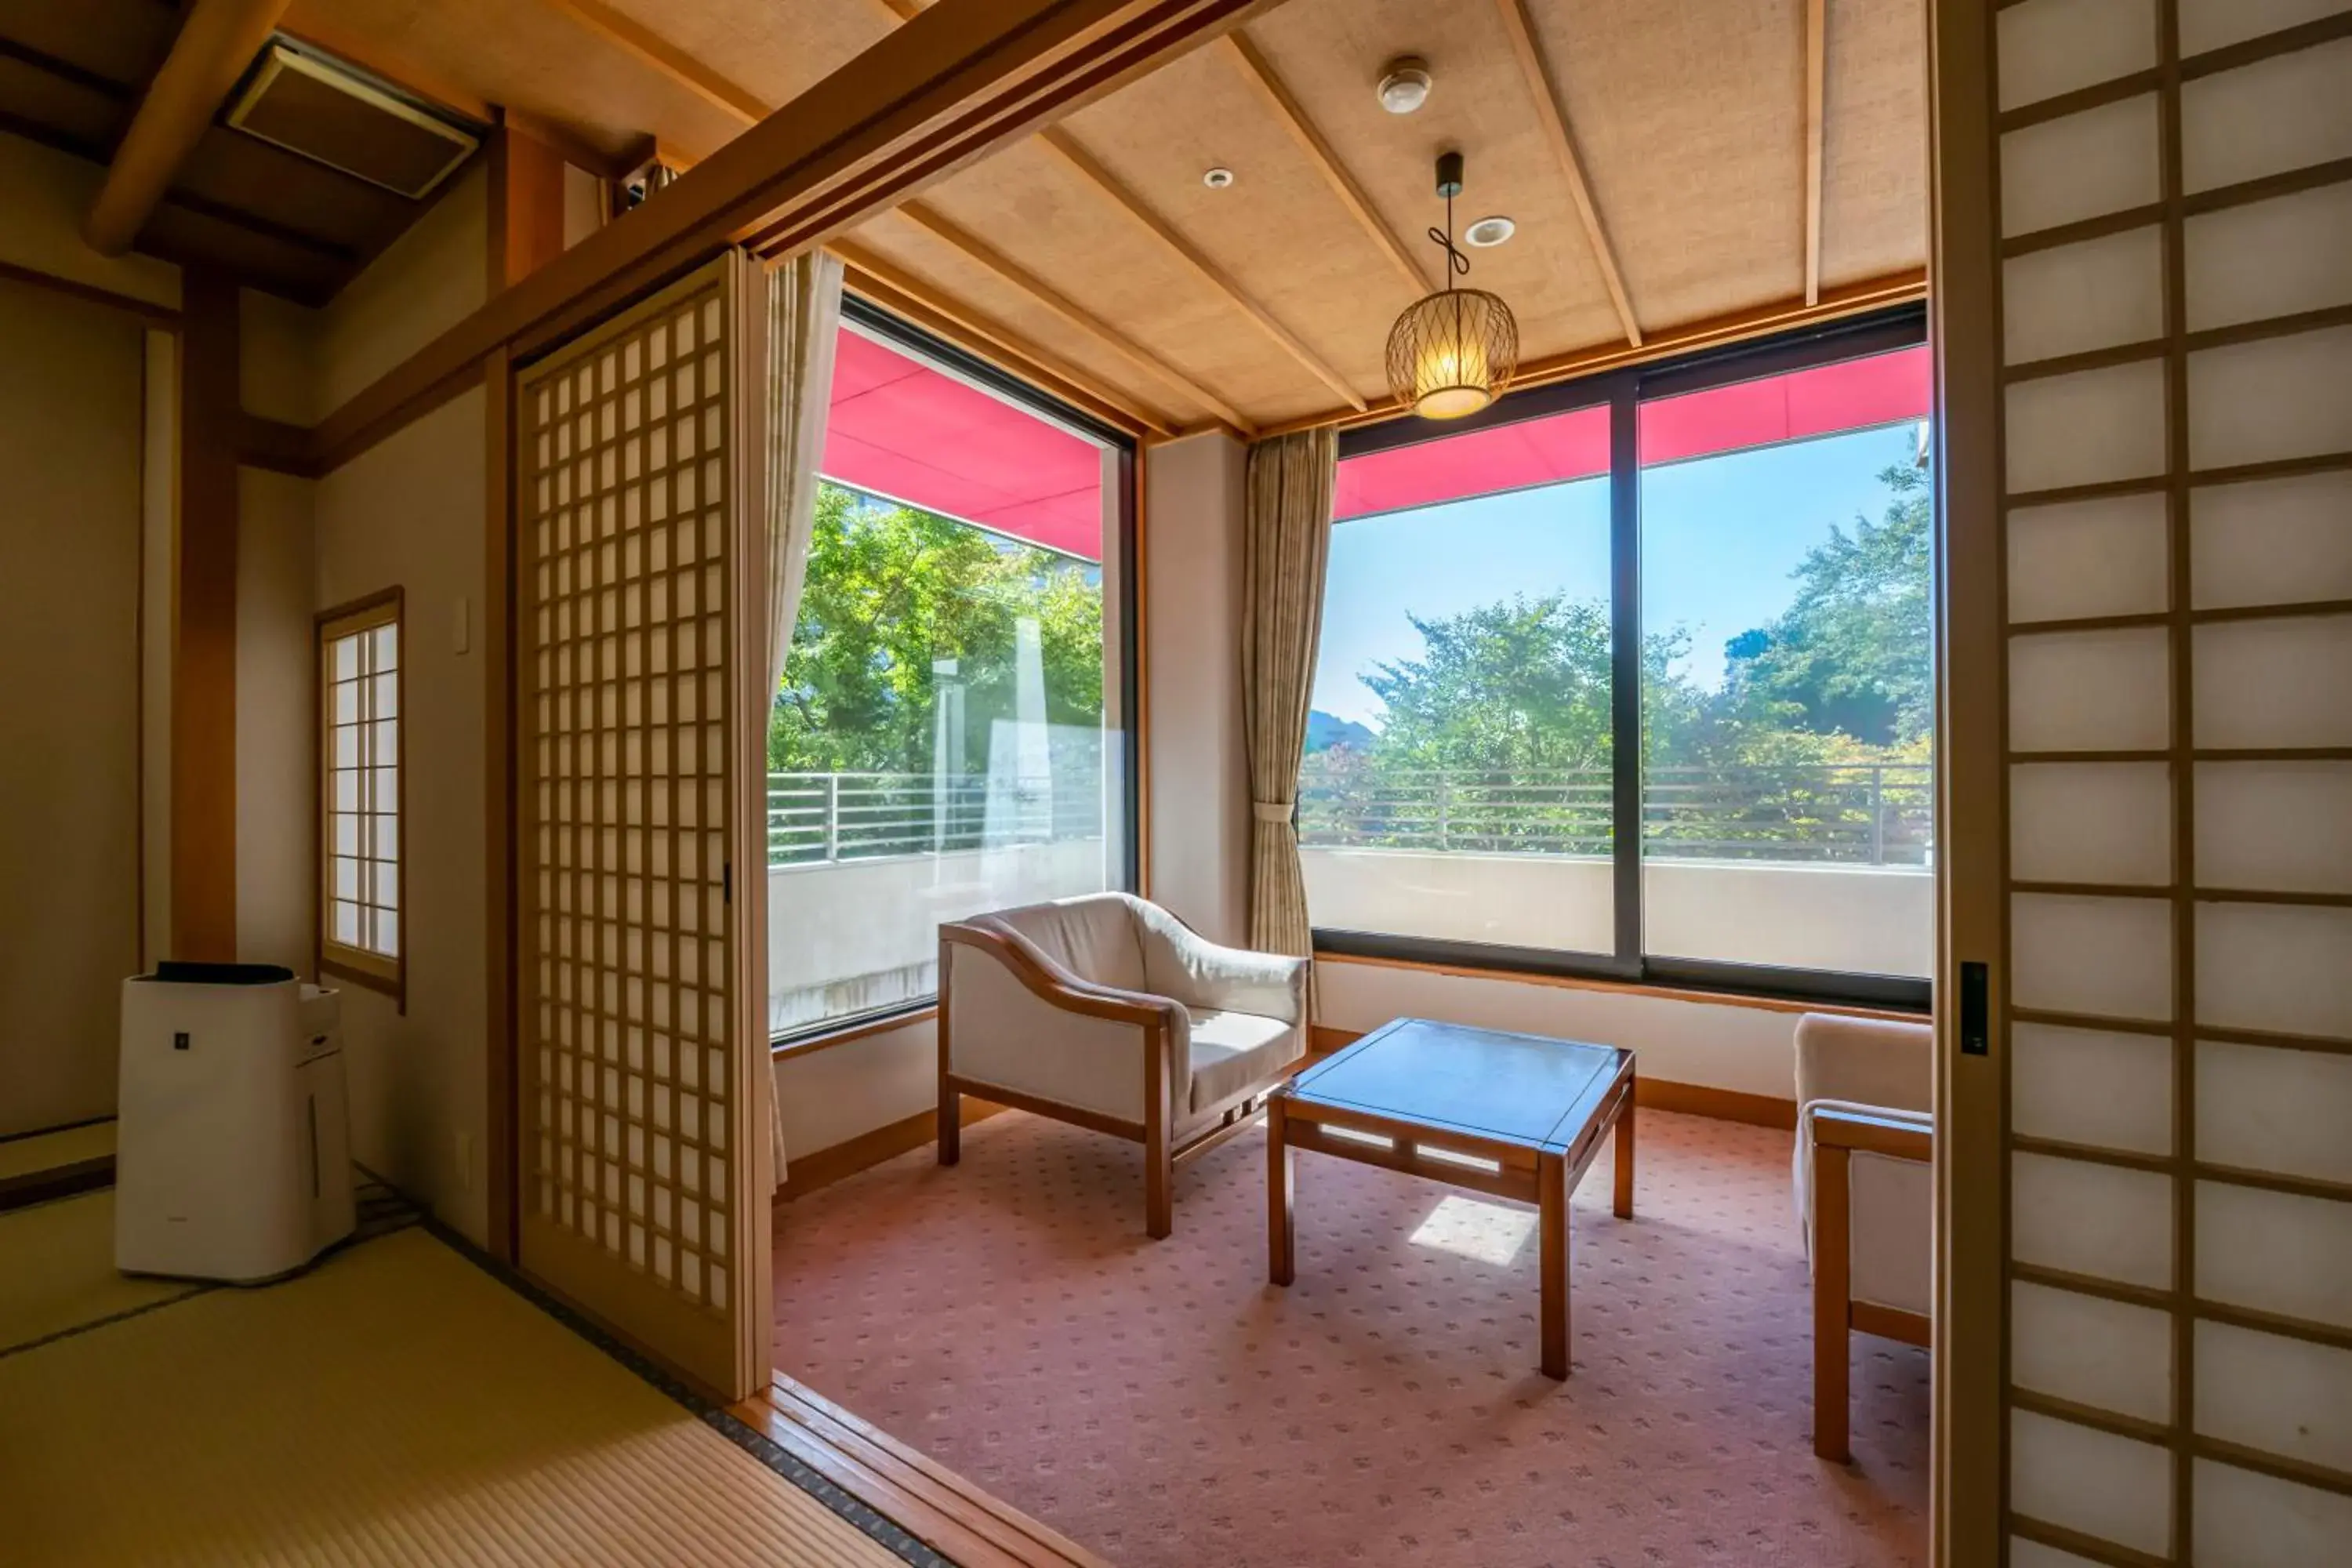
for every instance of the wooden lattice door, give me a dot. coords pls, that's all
(642, 1137)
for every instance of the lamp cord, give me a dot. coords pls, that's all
(1457, 264)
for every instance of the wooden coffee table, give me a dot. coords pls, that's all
(1521, 1116)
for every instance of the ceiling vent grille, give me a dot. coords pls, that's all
(331, 114)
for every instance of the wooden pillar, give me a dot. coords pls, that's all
(525, 232)
(526, 205)
(204, 625)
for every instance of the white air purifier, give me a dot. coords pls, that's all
(233, 1146)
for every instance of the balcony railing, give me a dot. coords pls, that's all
(1868, 814)
(817, 818)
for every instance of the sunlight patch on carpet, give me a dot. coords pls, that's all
(1477, 1229)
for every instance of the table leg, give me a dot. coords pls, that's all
(1551, 1197)
(1281, 1245)
(1625, 1205)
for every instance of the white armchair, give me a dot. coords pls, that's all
(1866, 1193)
(1109, 1012)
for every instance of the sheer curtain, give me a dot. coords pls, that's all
(1287, 539)
(804, 318)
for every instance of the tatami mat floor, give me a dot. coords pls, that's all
(396, 1405)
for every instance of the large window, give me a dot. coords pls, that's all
(949, 735)
(1633, 679)
(359, 793)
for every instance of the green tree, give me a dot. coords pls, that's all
(1524, 685)
(1851, 654)
(891, 591)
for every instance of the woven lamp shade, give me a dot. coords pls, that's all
(1453, 352)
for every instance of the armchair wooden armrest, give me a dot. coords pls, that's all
(1153, 1028)
(1837, 1134)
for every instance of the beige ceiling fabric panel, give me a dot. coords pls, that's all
(989, 302)
(1329, 53)
(1690, 118)
(1875, 140)
(1039, 213)
(775, 48)
(1278, 232)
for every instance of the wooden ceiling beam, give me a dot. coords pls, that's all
(979, 252)
(747, 107)
(216, 42)
(1694, 337)
(1816, 76)
(1260, 75)
(1549, 109)
(903, 294)
(1091, 170)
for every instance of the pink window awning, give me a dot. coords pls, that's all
(1853, 395)
(899, 429)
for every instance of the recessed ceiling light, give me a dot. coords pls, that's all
(1405, 84)
(1490, 231)
(1217, 179)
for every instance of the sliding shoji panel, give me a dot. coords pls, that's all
(641, 1116)
(2173, 202)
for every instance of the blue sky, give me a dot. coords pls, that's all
(1720, 537)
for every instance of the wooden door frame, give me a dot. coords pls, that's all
(1967, 1465)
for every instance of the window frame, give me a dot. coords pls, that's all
(358, 966)
(1124, 539)
(1622, 393)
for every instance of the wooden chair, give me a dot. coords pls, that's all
(1108, 1013)
(1866, 1191)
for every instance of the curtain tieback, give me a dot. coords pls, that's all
(1272, 810)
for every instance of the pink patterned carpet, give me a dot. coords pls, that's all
(1163, 1405)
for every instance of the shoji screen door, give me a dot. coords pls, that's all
(642, 1136)
(2168, 246)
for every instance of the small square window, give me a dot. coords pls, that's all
(360, 806)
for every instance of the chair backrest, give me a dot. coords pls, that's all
(1865, 1061)
(1093, 937)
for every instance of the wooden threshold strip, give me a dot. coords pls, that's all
(932, 1502)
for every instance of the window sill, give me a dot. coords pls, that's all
(1628, 987)
(862, 1029)
(395, 985)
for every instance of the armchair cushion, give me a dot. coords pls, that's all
(1094, 939)
(1233, 1019)
(1232, 1053)
(1865, 1061)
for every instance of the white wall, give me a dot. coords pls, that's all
(427, 280)
(1862, 920)
(70, 438)
(409, 513)
(1192, 583)
(1720, 1045)
(43, 196)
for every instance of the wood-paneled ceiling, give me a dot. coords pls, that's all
(1667, 162)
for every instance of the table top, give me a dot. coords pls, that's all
(1525, 1090)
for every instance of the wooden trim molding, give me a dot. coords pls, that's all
(808, 1172)
(863, 1029)
(946, 1512)
(164, 316)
